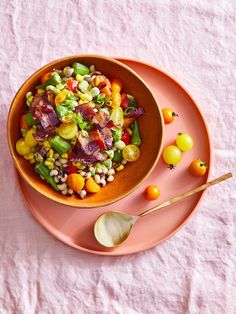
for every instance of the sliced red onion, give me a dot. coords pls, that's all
(137, 112)
(43, 134)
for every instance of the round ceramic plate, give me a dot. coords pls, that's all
(74, 226)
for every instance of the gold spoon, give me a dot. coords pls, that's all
(113, 228)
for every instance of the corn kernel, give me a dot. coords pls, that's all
(40, 90)
(64, 155)
(31, 156)
(46, 144)
(79, 77)
(73, 141)
(79, 165)
(51, 159)
(83, 96)
(130, 131)
(49, 164)
(80, 102)
(32, 161)
(50, 153)
(121, 167)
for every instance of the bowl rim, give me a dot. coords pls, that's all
(48, 194)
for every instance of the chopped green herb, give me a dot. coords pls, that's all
(80, 121)
(132, 101)
(117, 135)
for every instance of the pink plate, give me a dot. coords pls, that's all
(74, 226)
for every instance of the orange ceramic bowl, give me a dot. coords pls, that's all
(151, 129)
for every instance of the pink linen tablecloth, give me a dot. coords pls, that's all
(192, 272)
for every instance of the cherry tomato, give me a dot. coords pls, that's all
(91, 186)
(126, 137)
(101, 81)
(106, 90)
(152, 192)
(22, 148)
(116, 99)
(168, 115)
(75, 182)
(131, 153)
(116, 85)
(68, 130)
(172, 155)
(71, 85)
(60, 97)
(184, 142)
(70, 169)
(124, 101)
(198, 168)
(45, 77)
(23, 123)
(29, 138)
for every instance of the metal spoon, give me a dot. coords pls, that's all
(113, 228)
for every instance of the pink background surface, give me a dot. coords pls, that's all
(194, 271)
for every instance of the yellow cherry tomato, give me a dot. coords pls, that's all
(68, 118)
(22, 148)
(116, 85)
(60, 97)
(68, 130)
(91, 186)
(131, 153)
(172, 155)
(100, 79)
(117, 117)
(152, 192)
(29, 138)
(116, 99)
(184, 142)
(75, 182)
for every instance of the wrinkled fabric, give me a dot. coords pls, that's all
(192, 272)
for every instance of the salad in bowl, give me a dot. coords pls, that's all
(79, 128)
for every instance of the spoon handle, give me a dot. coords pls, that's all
(186, 194)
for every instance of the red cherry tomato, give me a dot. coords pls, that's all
(168, 115)
(71, 169)
(23, 123)
(152, 192)
(71, 85)
(45, 77)
(126, 137)
(124, 101)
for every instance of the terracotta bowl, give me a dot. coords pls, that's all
(151, 129)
